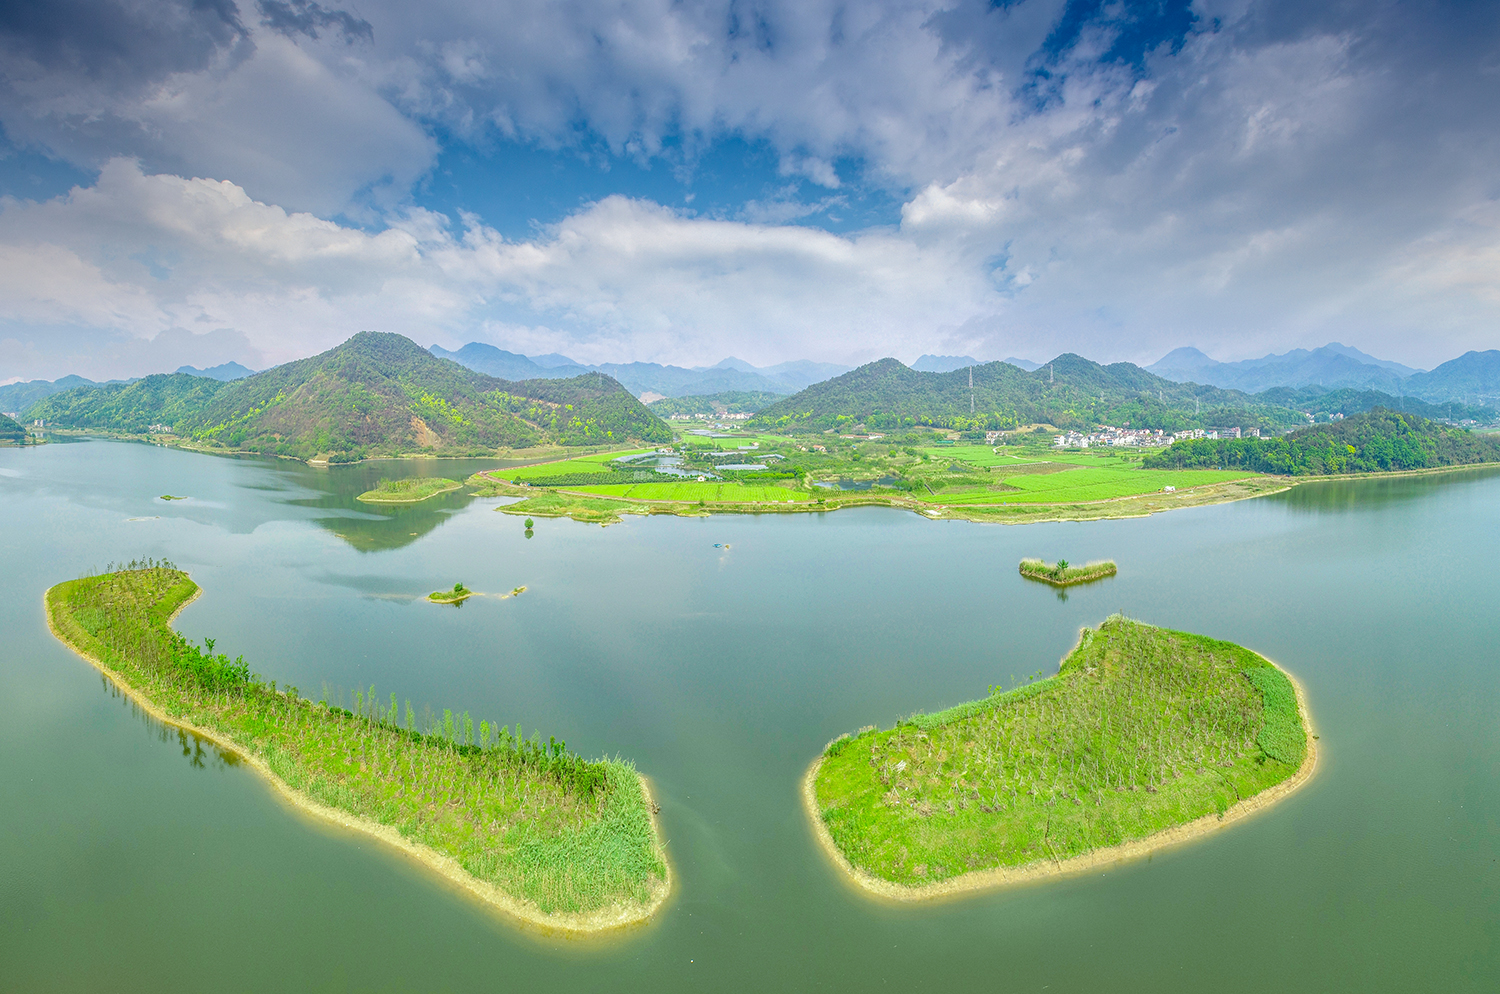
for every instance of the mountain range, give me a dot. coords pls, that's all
(641, 378)
(1068, 392)
(948, 363)
(376, 394)
(1472, 378)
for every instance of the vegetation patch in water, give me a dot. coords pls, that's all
(1062, 574)
(558, 837)
(457, 595)
(411, 490)
(1142, 730)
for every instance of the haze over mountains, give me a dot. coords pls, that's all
(648, 377)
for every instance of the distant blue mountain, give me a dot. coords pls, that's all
(1333, 366)
(225, 371)
(943, 363)
(647, 377)
(19, 396)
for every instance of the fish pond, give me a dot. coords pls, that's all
(720, 654)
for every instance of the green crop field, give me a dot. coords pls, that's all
(596, 463)
(1086, 484)
(692, 490)
(1142, 729)
(980, 455)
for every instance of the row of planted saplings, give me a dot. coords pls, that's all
(216, 673)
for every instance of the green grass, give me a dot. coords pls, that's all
(457, 595)
(596, 463)
(1142, 729)
(979, 455)
(1085, 484)
(1060, 574)
(527, 816)
(692, 490)
(411, 490)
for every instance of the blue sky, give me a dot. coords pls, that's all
(194, 181)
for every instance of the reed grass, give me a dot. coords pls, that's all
(1060, 574)
(1142, 729)
(528, 816)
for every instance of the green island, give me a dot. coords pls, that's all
(411, 490)
(1144, 738)
(545, 836)
(171, 497)
(457, 595)
(1061, 574)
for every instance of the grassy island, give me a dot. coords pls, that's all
(543, 834)
(1061, 574)
(457, 595)
(411, 490)
(1144, 737)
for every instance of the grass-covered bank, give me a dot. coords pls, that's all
(412, 490)
(1060, 574)
(543, 834)
(1145, 736)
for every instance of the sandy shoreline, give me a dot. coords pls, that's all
(1006, 876)
(522, 911)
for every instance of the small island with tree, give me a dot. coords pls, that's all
(549, 837)
(1145, 737)
(457, 595)
(1064, 574)
(412, 490)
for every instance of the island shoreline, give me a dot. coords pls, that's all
(525, 913)
(1001, 877)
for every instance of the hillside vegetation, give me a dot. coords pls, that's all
(11, 430)
(1069, 392)
(1141, 730)
(1380, 440)
(376, 394)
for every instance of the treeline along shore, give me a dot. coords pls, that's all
(539, 832)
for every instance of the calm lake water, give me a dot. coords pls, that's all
(130, 861)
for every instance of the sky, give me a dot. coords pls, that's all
(198, 181)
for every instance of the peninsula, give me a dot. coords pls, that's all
(1145, 737)
(1060, 574)
(538, 832)
(412, 490)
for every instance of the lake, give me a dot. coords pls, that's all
(132, 860)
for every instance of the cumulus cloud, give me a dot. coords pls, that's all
(140, 255)
(1110, 178)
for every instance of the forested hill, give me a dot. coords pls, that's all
(1069, 392)
(1378, 440)
(376, 394)
(10, 430)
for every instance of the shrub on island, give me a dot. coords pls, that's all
(1062, 574)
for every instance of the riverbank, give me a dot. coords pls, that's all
(546, 838)
(581, 506)
(901, 837)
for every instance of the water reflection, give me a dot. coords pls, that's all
(375, 527)
(200, 753)
(1365, 496)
